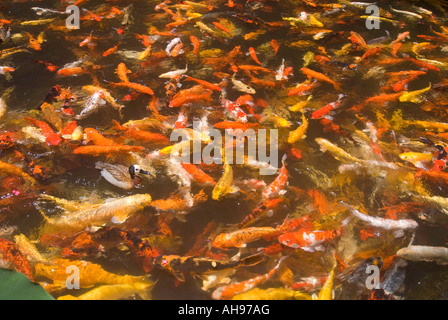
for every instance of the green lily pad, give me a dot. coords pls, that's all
(16, 286)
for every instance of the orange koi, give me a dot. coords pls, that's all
(198, 175)
(12, 254)
(122, 72)
(144, 39)
(255, 69)
(220, 26)
(275, 46)
(383, 98)
(371, 52)
(105, 150)
(133, 86)
(196, 44)
(422, 64)
(235, 125)
(357, 40)
(50, 67)
(302, 88)
(178, 101)
(253, 55)
(75, 71)
(111, 50)
(33, 43)
(97, 138)
(396, 47)
(146, 136)
(311, 74)
(176, 23)
(205, 84)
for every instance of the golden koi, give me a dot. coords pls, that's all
(115, 211)
(224, 185)
(414, 96)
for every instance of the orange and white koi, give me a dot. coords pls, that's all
(307, 240)
(229, 291)
(235, 111)
(4, 70)
(322, 112)
(280, 182)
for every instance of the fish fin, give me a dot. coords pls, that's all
(234, 189)
(119, 218)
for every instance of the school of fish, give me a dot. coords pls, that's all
(89, 177)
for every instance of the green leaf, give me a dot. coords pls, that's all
(16, 286)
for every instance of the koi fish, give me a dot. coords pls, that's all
(90, 274)
(326, 292)
(224, 185)
(115, 211)
(231, 290)
(52, 138)
(265, 207)
(11, 253)
(198, 175)
(320, 113)
(240, 238)
(115, 292)
(133, 86)
(320, 77)
(272, 294)
(413, 96)
(241, 86)
(253, 55)
(280, 182)
(386, 224)
(307, 240)
(424, 253)
(298, 133)
(205, 84)
(104, 150)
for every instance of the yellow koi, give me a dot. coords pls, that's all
(115, 292)
(414, 96)
(90, 274)
(326, 293)
(272, 294)
(224, 185)
(416, 157)
(298, 133)
(300, 105)
(115, 211)
(337, 152)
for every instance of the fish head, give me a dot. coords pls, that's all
(288, 240)
(220, 241)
